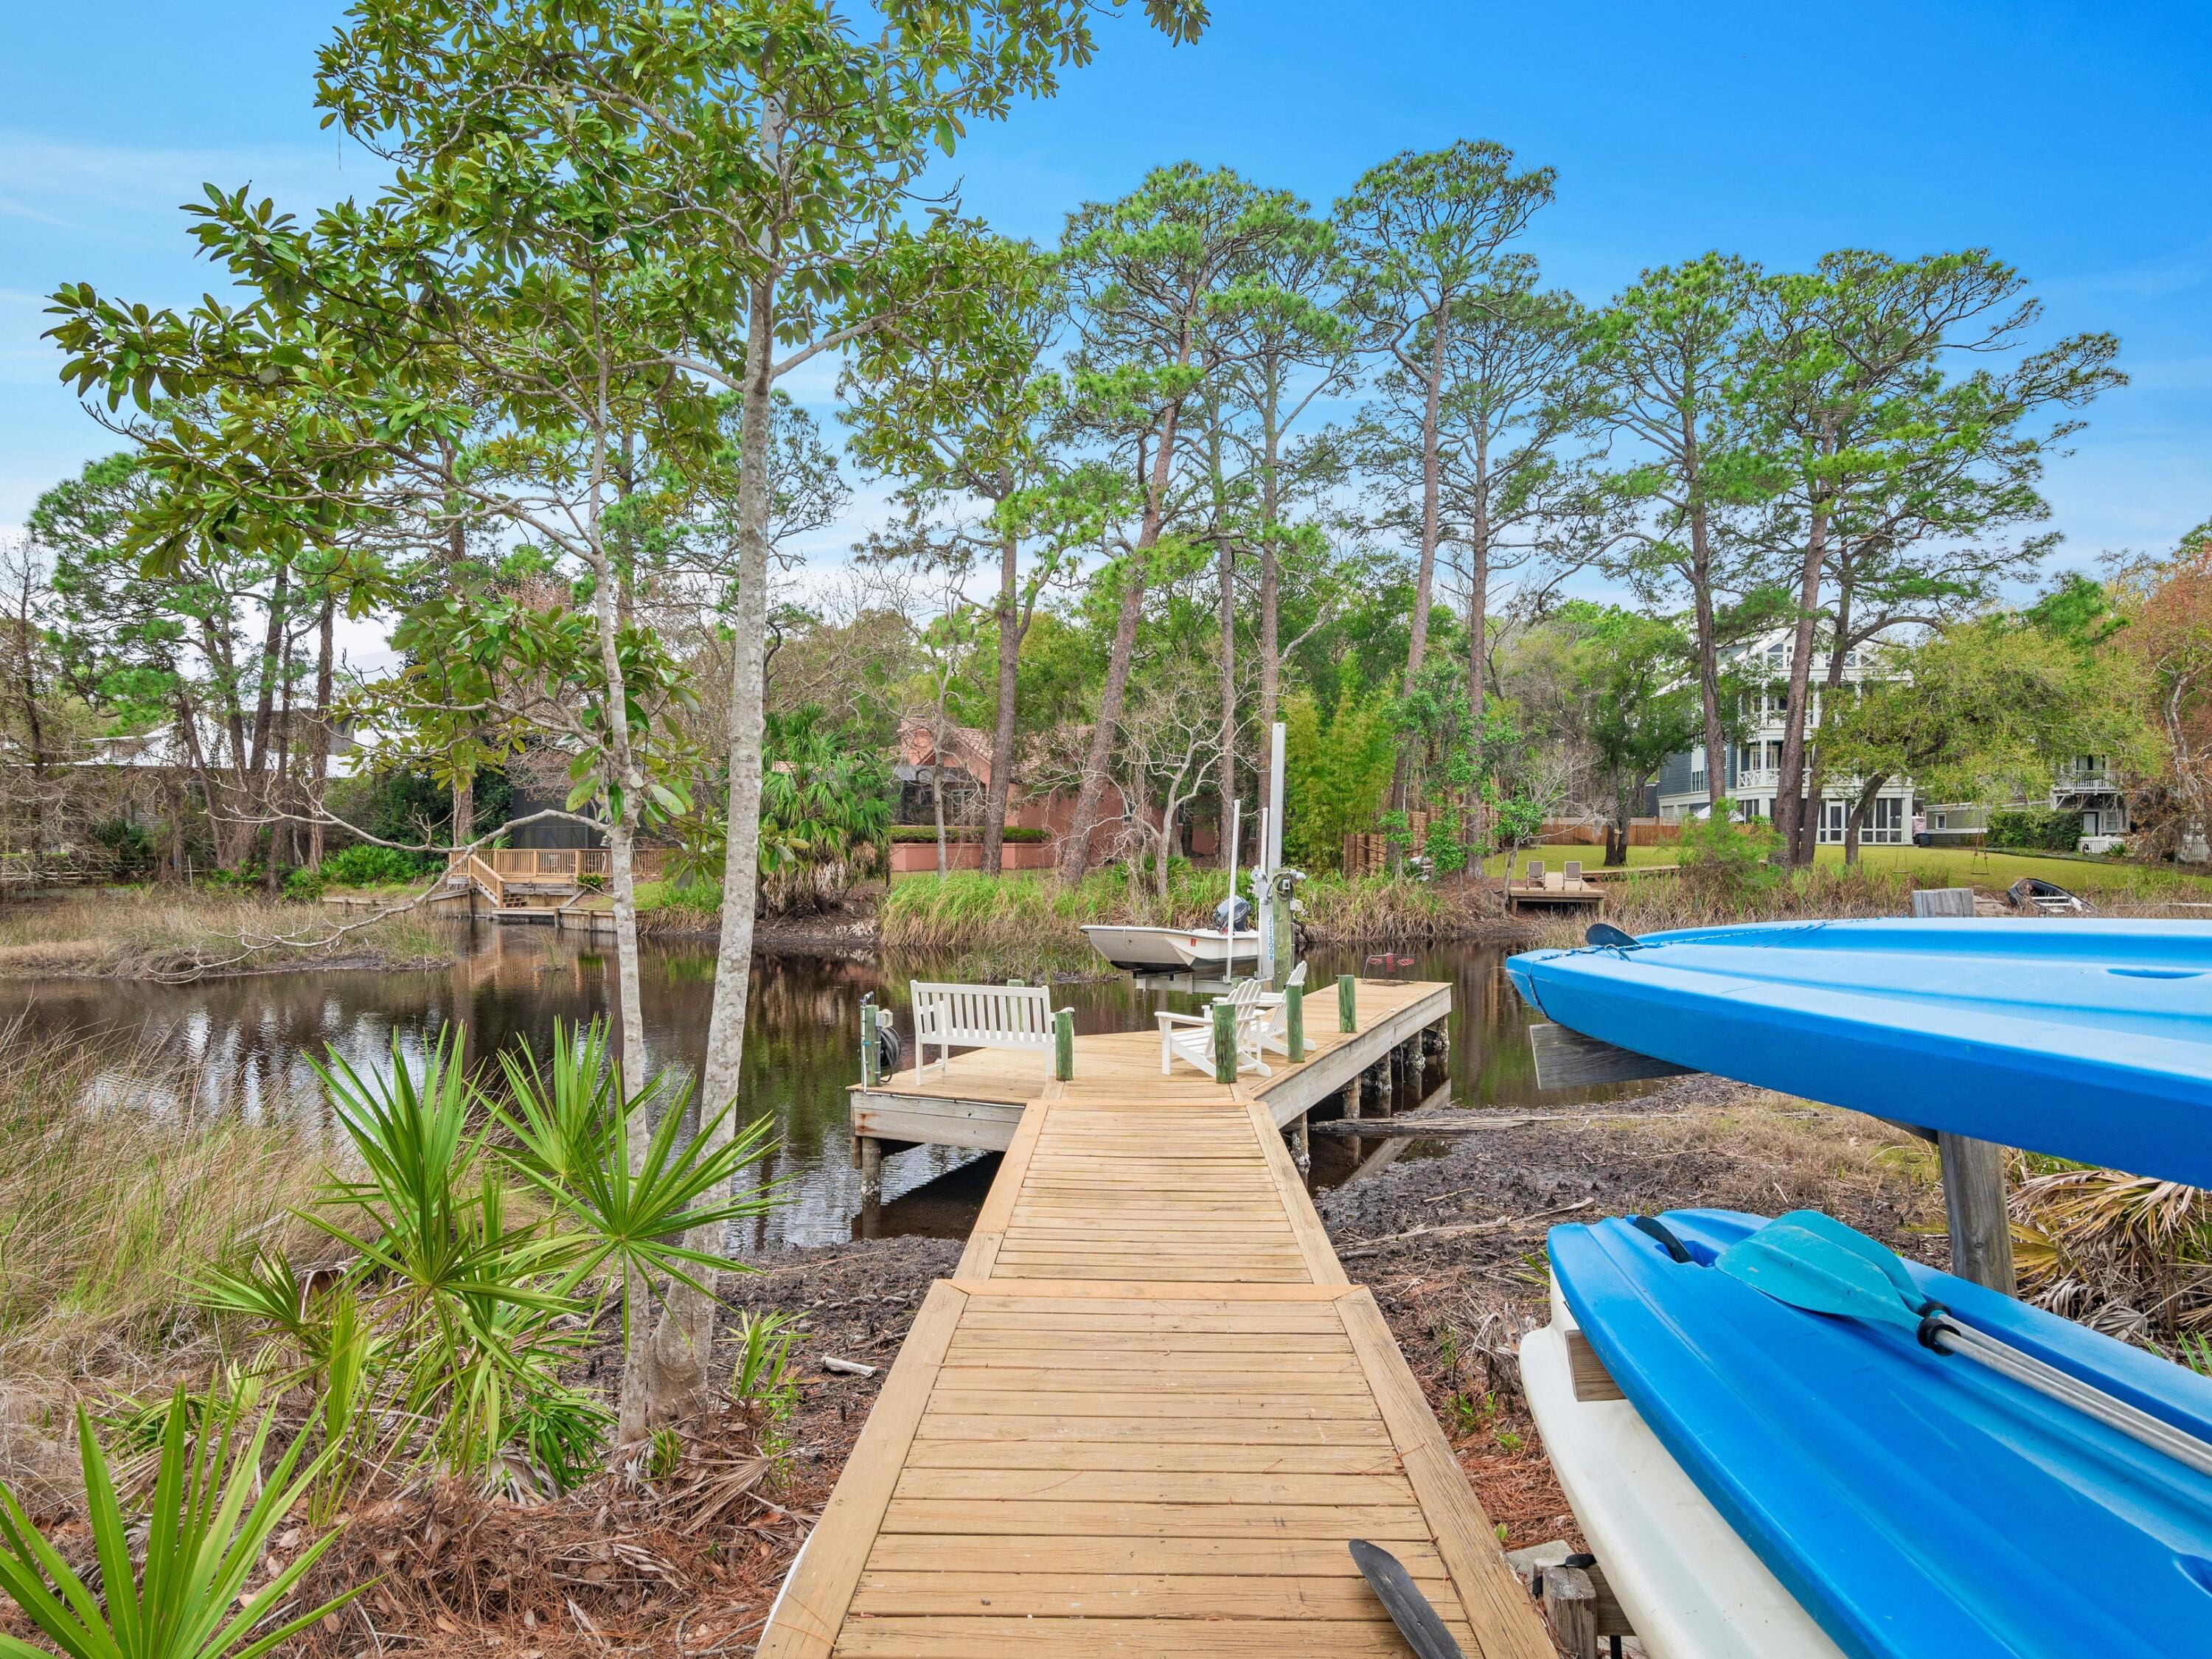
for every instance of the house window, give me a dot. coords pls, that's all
(1939, 821)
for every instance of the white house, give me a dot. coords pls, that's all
(1754, 767)
(2082, 784)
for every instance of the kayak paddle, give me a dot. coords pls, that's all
(1813, 1262)
(1410, 1611)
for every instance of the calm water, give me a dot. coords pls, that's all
(251, 1037)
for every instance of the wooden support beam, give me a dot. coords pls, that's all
(1301, 1143)
(871, 1171)
(1568, 1060)
(1588, 1372)
(1974, 1209)
(1570, 1602)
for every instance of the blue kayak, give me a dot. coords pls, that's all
(2086, 1040)
(1914, 1506)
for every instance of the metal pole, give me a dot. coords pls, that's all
(1236, 833)
(1282, 931)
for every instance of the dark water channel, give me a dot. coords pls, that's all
(248, 1040)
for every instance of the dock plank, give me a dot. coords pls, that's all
(1150, 1410)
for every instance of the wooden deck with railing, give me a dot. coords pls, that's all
(1148, 1412)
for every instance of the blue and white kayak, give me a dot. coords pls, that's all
(1836, 1487)
(2086, 1040)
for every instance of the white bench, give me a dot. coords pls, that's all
(979, 1016)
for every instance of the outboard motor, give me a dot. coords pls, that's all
(1243, 910)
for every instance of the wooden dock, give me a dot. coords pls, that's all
(978, 1100)
(1148, 1411)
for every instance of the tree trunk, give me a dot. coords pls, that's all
(1793, 809)
(1417, 642)
(1857, 823)
(276, 796)
(937, 779)
(1226, 570)
(1075, 851)
(319, 774)
(1000, 783)
(684, 1343)
(1474, 831)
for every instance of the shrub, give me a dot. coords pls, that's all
(304, 886)
(1015, 834)
(367, 865)
(1727, 863)
(2035, 829)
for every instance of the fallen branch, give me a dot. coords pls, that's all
(1461, 1228)
(1422, 1126)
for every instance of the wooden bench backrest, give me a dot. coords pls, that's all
(984, 1016)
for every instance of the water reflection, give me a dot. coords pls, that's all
(249, 1040)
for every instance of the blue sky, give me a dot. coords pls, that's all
(2074, 140)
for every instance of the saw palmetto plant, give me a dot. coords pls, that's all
(207, 1522)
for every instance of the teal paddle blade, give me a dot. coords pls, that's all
(1805, 1269)
(1850, 1238)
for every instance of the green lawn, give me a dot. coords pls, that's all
(1947, 867)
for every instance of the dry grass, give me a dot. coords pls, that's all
(181, 935)
(115, 1193)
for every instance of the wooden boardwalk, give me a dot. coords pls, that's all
(1145, 1417)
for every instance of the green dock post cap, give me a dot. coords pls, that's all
(1063, 1044)
(1347, 1004)
(1294, 1021)
(1225, 1043)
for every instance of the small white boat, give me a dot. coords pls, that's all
(1211, 948)
(1138, 950)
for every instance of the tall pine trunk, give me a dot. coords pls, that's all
(1793, 811)
(1425, 576)
(319, 771)
(1075, 851)
(1000, 783)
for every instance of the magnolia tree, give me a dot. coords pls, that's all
(600, 214)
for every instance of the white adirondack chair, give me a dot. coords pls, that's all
(1189, 1037)
(1276, 1034)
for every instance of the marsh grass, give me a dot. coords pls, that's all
(116, 1191)
(160, 934)
(1032, 923)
